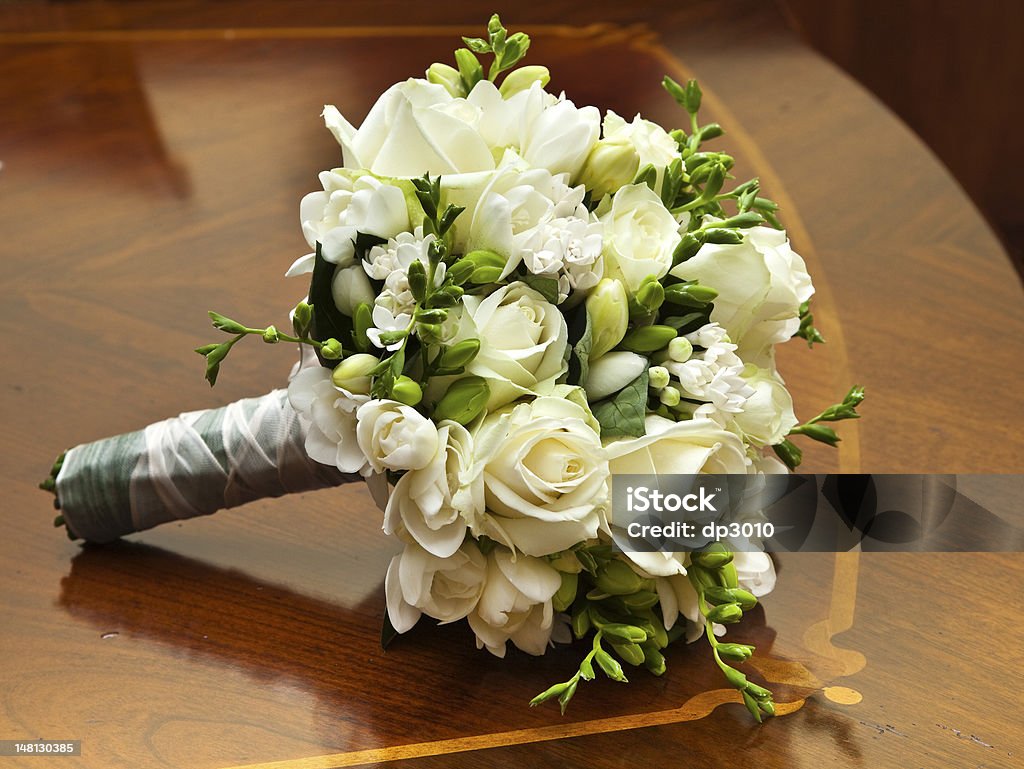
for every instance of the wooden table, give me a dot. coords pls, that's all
(154, 156)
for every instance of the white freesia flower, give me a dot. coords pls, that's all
(415, 127)
(523, 340)
(544, 475)
(767, 415)
(345, 208)
(755, 571)
(678, 597)
(515, 604)
(434, 503)
(390, 263)
(446, 589)
(761, 284)
(651, 141)
(329, 413)
(386, 319)
(394, 436)
(639, 235)
(673, 448)
(714, 375)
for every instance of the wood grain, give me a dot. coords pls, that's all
(155, 173)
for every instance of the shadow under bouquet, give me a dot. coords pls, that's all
(511, 300)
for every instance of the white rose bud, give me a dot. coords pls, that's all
(611, 164)
(608, 308)
(523, 78)
(353, 373)
(394, 436)
(612, 372)
(351, 288)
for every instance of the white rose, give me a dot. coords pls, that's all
(544, 475)
(394, 436)
(767, 416)
(515, 604)
(414, 127)
(522, 342)
(446, 589)
(672, 448)
(639, 235)
(651, 141)
(761, 284)
(329, 414)
(345, 208)
(434, 503)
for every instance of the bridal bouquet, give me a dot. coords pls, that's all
(511, 299)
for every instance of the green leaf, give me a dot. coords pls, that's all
(328, 320)
(623, 415)
(581, 350)
(546, 287)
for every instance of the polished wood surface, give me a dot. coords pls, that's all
(153, 159)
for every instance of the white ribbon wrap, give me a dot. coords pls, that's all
(194, 464)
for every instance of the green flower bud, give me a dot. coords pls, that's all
(690, 295)
(719, 595)
(523, 78)
(715, 556)
(726, 614)
(330, 349)
(469, 68)
(417, 275)
(680, 349)
(361, 322)
(735, 652)
(487, 267)
(566, 592)
(554, 691)
(432, 316)
(654, 660)
(407, 391)
(669, 396)
(650, 295)
(430, 333)
(617, 578)
(464, 401)
(580, 621)
(646, 175)
(270, 335)
(735, 678)
(461, 354)
(789, 453)
(658, 376)
(627, 633)
(608, 308)
(302, 316)
(727, 575)
(648, 339)
(687, 248)
(611, 164)
(699, 577)
(759, 693)
(586, 670)
(353, 373)
(630, 653)
(820, 433)
(643, 599)
(610, 666)
(444, 75)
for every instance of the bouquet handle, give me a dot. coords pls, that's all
(194, 464)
